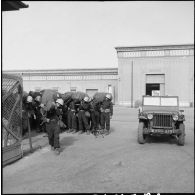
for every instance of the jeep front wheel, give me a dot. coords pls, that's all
(141, 137)
(181, 137)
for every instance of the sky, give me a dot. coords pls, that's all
(83, 34)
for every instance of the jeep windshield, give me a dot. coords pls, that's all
(160, 101)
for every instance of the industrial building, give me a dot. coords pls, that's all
(156, 70)
(142, 70)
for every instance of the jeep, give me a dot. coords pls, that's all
(160, 115)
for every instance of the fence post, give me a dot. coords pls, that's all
(29, 135)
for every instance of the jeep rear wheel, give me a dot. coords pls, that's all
(141, 137)
(181, 137)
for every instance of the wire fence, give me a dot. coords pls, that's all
(11, 109)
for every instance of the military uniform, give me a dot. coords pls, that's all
(106, 109)
(29, 111)
(52, 126)
(95, 115)
(83, 116)
(72, 119)
(37, 111)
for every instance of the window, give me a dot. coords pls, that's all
(91, 92)
(73, 89)
(37, 88)
(55, 88)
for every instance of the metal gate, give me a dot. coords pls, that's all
(12, 90)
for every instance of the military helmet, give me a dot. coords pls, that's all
(86, 99)
(60, 101)
(29, 99)
(38, 98)
(108, 96)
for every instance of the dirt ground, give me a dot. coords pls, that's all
(115, 163)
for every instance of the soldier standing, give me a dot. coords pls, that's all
(37, 110)
(83, 115)
(52, 126)
(27, 113)
(72, 119)
(106, 113)
(29, 108)
(95, 115)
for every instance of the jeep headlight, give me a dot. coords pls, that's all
(175, 117)
(150, 116)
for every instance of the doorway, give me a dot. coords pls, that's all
(91, 92)
(152, 89)
(155, 84)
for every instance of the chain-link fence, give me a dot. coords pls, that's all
(11, 113)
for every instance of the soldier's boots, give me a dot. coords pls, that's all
(74, 131)
(88, 132)
(107, 132)
(57, 151)
(93, 131)
(102, 131)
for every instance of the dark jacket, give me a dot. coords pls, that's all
(53, 113)
(107, 104)
(95, 105)
(86, 106)
(71, 106)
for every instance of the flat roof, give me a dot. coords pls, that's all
(154, 47)
(66, 71)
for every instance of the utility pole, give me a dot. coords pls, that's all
(132, 84)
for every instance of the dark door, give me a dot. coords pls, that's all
(152, 87)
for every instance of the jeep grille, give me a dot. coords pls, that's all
(162, 120)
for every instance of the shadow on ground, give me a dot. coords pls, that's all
(67, 141)
(112, 130)
(161, 139)
(33, 134)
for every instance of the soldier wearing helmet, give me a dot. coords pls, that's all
(106, 109)
(59, 102)
(29, 109)
(72, 119)
(37, 110)
(95, 115)
(84, 115)
(52, 124)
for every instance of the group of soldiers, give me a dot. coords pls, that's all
(73, 116)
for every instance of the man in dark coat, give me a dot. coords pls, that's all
(28, 111)
(106, 109)
(37, 110)
(52, 125)
(72, 119)
(95, 115)
(84, 115)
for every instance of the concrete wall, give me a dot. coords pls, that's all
(179, 77)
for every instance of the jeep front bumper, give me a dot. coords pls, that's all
(162, 131)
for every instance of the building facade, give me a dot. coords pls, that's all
(144, 70)
(89, 81)
(155, 70)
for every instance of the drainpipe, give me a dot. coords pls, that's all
(132, 84)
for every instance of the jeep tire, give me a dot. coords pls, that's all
(141, 138)
(181, 137)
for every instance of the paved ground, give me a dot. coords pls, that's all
(115, 163)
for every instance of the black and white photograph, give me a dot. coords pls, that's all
(97, 97)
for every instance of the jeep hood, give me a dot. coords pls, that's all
(161, 109)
